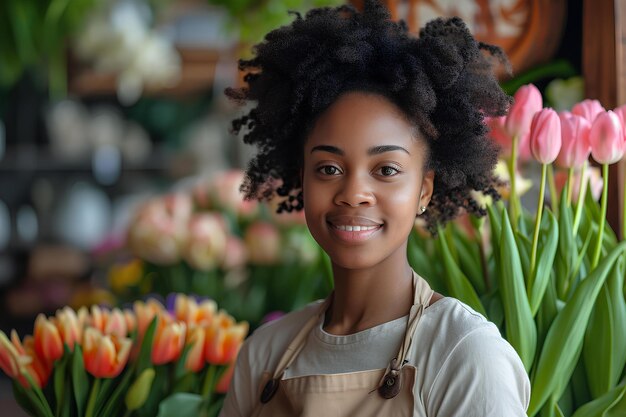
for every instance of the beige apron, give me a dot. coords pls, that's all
(379, 392)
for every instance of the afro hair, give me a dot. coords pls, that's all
(443, 81)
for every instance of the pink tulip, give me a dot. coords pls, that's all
(527, 102)
(206, 244)
(545, 136)
(236, 255)
(499, 135)
(588, 109)
(607, 138)
(262, 243)
(575, 146)
(621, 113)
(226, 194)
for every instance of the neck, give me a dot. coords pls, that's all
(365, 298)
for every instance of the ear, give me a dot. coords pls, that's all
(427, 186)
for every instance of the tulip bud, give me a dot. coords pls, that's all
(263, 243)
(588, 109)
(48, 342)
(140, 389)
(545, 136)
(195, 356)
(527, 102)
(575, 146)
(169, 341)
(104, 355)
(606, 137)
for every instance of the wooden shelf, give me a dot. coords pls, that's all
(197, 74)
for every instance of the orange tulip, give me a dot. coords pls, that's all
(48, 342)
(9, 357)
(145, 312)
(131, 320)
(115, 323)
(187, 310)
(32, 364)
(169, 340)
(224, 382)
(16, 360)
(223, 339)
(195, 357)
(68, 326)
(105, 355)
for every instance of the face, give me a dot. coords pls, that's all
(363, 181)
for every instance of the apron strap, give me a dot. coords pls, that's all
(298, 342)
(390, 384)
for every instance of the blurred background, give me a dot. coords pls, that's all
(114, 126)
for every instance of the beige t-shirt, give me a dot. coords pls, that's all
(464, 367)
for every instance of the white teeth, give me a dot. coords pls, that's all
(356, 228)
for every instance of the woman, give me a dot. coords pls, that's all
(366, 128)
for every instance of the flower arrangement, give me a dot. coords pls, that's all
(552, 280)
(209, 241)
(144, 361)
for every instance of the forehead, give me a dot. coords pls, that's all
(360, 119)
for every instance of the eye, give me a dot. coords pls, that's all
(388, 171)
(328, 170)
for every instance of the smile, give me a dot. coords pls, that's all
(354, 233)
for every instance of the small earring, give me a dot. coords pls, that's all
(422, 209)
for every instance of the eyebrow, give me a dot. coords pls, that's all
(375, 150)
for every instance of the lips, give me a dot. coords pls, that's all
(352, 221)
(353, 229)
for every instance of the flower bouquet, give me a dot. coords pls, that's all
(552, 280)
(209, 241)
(144, 361)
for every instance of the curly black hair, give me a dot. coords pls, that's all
(441, 80)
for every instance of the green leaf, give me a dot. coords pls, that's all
(145, 352)
(114, 401)
(80, 381)
(566, 334)
(27, 400)
(457, 283)
(605, 343)
(611, 404)
(181, 404)
(567, 249)
(469, 259)
(548, 238)
(59, 380)
(518, 320)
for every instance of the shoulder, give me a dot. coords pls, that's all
(260, 352)
(470, 364)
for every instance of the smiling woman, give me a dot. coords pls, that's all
(367, 128)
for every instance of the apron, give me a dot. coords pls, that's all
(379, 392)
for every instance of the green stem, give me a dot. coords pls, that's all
(624, 206)
(533, 256)
(209, 382)
(91, 404)
(598, 248)
(127, 413)
(568, 190)
(582, 190)
(554, 200)
(513, 198)
(38, 393)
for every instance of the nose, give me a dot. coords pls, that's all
(354, 192)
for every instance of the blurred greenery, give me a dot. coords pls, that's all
(252, 19)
